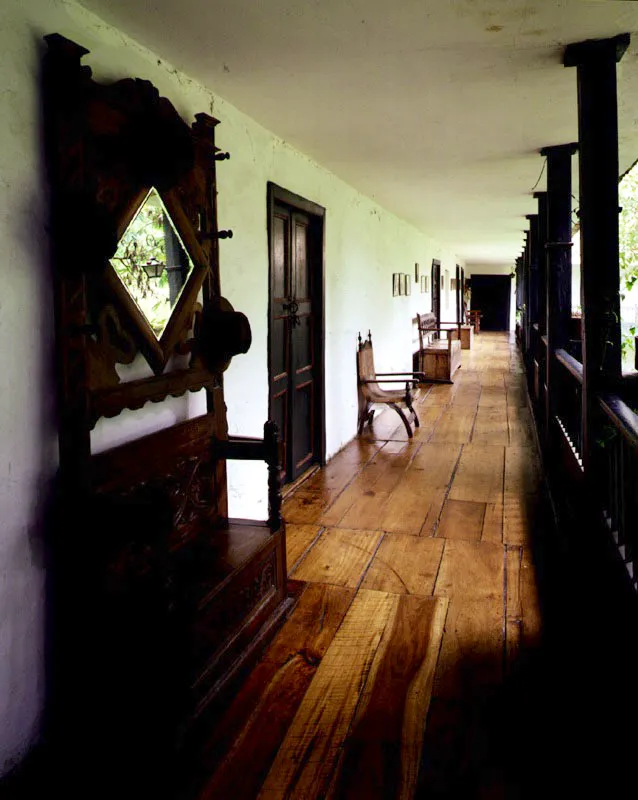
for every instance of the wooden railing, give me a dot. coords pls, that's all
(609, 492)
(619, 499)
(568, 401)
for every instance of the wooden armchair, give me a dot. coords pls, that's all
(370, 393)
(439, 357)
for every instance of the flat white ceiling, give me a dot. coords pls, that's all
(436, 109)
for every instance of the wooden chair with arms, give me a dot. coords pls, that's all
(370, 393)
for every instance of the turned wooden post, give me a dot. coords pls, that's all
(532, 293)
(519, 286)
(542, 261)
(595, 63)
(558, 249)
(525, 315)
(532, 277)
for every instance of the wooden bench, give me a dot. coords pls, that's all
(370, 393)
(439, 355)
(465, 333)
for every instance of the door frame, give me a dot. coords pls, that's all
(277, 194)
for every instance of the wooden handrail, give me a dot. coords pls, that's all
(574, 367)
(624, 419)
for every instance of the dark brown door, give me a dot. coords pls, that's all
(436, 290)
(295, 334)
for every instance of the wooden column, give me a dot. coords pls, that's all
(519, 297)
(598, 170)
(542, 261)
(519, 281)
(558, 249)
(525, 257)
(532, 295)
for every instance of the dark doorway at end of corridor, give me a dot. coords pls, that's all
(491, 296)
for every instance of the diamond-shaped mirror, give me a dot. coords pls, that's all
(152, 263)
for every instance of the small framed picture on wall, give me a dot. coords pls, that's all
(408, 284)
(424, 284)
(396, 284)
(417, 273)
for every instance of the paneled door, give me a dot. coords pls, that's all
(296, 329)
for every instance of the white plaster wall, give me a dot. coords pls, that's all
(364, 246)
(496, 269)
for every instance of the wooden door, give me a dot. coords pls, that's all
(436, 290)
(295, 333)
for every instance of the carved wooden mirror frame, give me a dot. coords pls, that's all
(107, 146)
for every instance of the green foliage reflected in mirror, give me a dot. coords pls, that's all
(152, 262)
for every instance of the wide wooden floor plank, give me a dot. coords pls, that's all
(434, 514)
(521, 427)
(339, 557)
(305, 507)
(248, 736)
(462, 519)
(522, 470)
(407, 507)
(520, 515)
(513, 582)
(479, 476)
(493, 379)
(471, 658)
(523, 604)
(308, 754)
(379, 475)
(382, 752)
(405, 564)
(367, 510)
(490, 427)
(493, 522)
(471, 570)
(298, 540)
(429, 415)
(455, 425)
(436, 463)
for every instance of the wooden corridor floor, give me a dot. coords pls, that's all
(418, 602)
